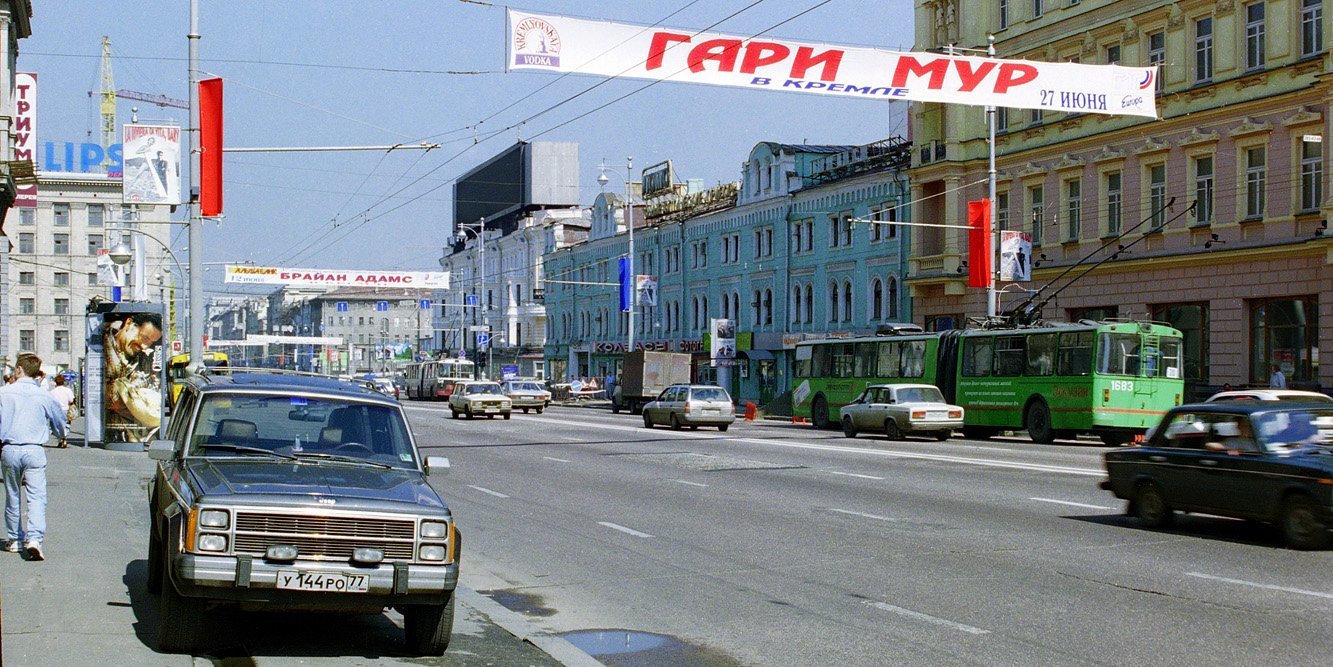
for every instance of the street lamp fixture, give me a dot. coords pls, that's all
(121, 253)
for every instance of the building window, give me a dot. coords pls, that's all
(809, 303)
(60, 245)
(27, 306)
(1114, 194)
(1256, 181)
(1073, 208)
(61, 214)
(1004, 14)
(1002, 210)
(1001, 119)
(94, 243)
(1254, 36)
(92, 280)
(61, 340)
(1312, 27)
(1203, 190)
(26, 242)
(1157, 56)
(1036, 9)
(1113, 54)
(768, 307)
(1312, 175)
(27, 340)
(809, 235)
(1036, 202)
(27, 278)
(27, 217)
(96, 215)
(1157, 194)
(1203, 50)
(893, 299)
(1192, 321)
(1284, 333)
(876, 299)
(1034, 116)
(833, 302)
(847, 301)
(62, 307)
(795, 316)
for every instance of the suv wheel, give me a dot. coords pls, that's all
(428, 627)
(180, 619)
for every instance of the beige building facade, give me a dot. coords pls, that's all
(1230, 182)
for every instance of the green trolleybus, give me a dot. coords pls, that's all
(1113, 379)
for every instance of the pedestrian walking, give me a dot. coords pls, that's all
(65, 397)
(28, 417)
(1277, 380)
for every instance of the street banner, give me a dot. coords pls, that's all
(553, 43)
(293, 277)
(1015, 256)
(210, 147)
(25, 133)
(152, 164)
(979, 243)
(647, 287)
(625, 285)
(722, 342)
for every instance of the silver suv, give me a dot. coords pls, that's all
(691, 405)
(302, 493)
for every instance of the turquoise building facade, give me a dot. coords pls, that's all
(800, 248)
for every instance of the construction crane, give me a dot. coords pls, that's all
(109, 93)
(159, 100)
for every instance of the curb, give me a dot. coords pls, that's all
(515, 624)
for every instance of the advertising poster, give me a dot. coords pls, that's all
(152, 164)
(1015, 256)
(647, 287)
(132, 354)
(25, 132)
(723, 342)
(293, 277)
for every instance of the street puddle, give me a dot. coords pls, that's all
(523, 603)
(631, 648)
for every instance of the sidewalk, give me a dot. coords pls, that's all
(86, 604)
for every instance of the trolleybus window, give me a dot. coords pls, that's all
(1009, 353)
(976, 356)
(842, 360)
(890, 356)
(865, 360)
(1075, 354)
(1119, 354)
(1041, 354)
(823, 361)
(1171, 358)
(914, 359)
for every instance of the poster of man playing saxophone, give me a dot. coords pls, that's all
(132, 347)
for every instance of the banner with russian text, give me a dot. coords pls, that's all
(267, 275)
(553, 43)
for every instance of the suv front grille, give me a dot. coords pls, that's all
(324, 537)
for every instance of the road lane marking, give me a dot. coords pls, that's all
(852, 474)
(628, 531)
(927, 618)
(862, 514)
(988, 463)
(497, 494)
(681, 481)
(1271, 587)
(565, 437)
(552, 458)
(1066, 502)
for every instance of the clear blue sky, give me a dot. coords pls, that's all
(314, 73)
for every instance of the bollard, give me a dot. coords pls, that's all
(750, 411)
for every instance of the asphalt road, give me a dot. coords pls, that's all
(775, 544)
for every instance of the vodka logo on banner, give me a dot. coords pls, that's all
(536, 43)
(1015, 256)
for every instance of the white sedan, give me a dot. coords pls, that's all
(900, 409)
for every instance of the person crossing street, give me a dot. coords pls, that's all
(28, 417)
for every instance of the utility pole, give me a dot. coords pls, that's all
(196, 290)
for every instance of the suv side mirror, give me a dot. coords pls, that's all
(162, 450)
(437, 465)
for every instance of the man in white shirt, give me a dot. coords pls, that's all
(1277, 380)
(65, 397)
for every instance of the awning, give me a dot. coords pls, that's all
(757, 355)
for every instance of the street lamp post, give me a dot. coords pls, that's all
(480, 235)
(629, 225)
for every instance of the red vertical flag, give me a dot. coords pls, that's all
(210, 147)
(979, 250)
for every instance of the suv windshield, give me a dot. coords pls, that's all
(235, 425)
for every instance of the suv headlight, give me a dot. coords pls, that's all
(214, 519)
(434, 530)
(210, 542)
(434, 552)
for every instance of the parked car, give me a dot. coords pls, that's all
(479, 397)
(1295, 395)
(526, 394)
(296, 493)
(691, 405)
(382, 383)
(900, 409)
(1258, 460)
